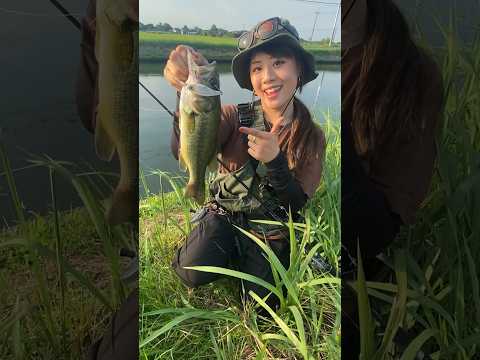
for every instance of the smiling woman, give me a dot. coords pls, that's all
(278, 153)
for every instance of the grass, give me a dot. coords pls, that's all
(64, 267)
(431, 297)
(174, 319)
(155, 47)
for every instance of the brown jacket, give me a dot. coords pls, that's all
(234, 150)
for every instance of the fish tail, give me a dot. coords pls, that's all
(124, 207)
(196, 192)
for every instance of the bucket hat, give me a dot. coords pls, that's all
(275, 31)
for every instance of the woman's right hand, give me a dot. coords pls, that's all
(176, 70)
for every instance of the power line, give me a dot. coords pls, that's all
(318, 2)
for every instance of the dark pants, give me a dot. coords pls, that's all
(215, 242)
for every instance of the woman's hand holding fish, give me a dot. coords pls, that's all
(176, 70)
(262, 145)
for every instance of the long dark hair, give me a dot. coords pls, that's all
(305, 138)
(391, 97)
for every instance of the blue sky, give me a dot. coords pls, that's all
(241, 14)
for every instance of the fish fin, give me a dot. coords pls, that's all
(196, 192)
(181, 161)
(104, 146)
(124, 207)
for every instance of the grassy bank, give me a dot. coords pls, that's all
(211, 319)
(64, 269)
(155, 47)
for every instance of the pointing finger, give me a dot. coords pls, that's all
(254, 132)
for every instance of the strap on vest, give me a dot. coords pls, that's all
(249, 116)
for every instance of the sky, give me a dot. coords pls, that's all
(242, 14)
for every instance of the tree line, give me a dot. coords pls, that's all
(213, 31)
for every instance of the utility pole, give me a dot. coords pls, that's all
(313, 30)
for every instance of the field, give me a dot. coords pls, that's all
(155, 47)
(211, 319)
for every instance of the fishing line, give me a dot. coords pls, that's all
(150, 110)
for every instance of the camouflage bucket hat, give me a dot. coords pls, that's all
(271, 31)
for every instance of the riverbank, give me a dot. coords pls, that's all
(155, 47)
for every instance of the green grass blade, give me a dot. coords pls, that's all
(398, 309)
(416, 344)
(283, 326)
(322, 281)
(474, 280)
(238, 275)
(17, 205)
(300, 326)
(190, 314)
(367, 341)
(18, 346)
(292, 290)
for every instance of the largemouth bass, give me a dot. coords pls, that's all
(116, 50)
(199, 122)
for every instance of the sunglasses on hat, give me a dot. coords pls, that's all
(264, 31)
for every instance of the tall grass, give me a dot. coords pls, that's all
(211, 319)
(431, 306)
(59, 311)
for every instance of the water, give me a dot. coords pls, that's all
(156, 123)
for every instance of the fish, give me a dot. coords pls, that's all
(199, 111)
(116, 129)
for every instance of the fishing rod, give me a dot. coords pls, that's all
(65, 12)
(319, 263)
(77, 24)
(156, 99)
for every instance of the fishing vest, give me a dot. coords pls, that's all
(231, 195)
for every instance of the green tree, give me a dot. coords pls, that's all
(213, 30)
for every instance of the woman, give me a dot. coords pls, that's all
(279, 157)
(391, 106)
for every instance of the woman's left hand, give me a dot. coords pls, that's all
(262, 145)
